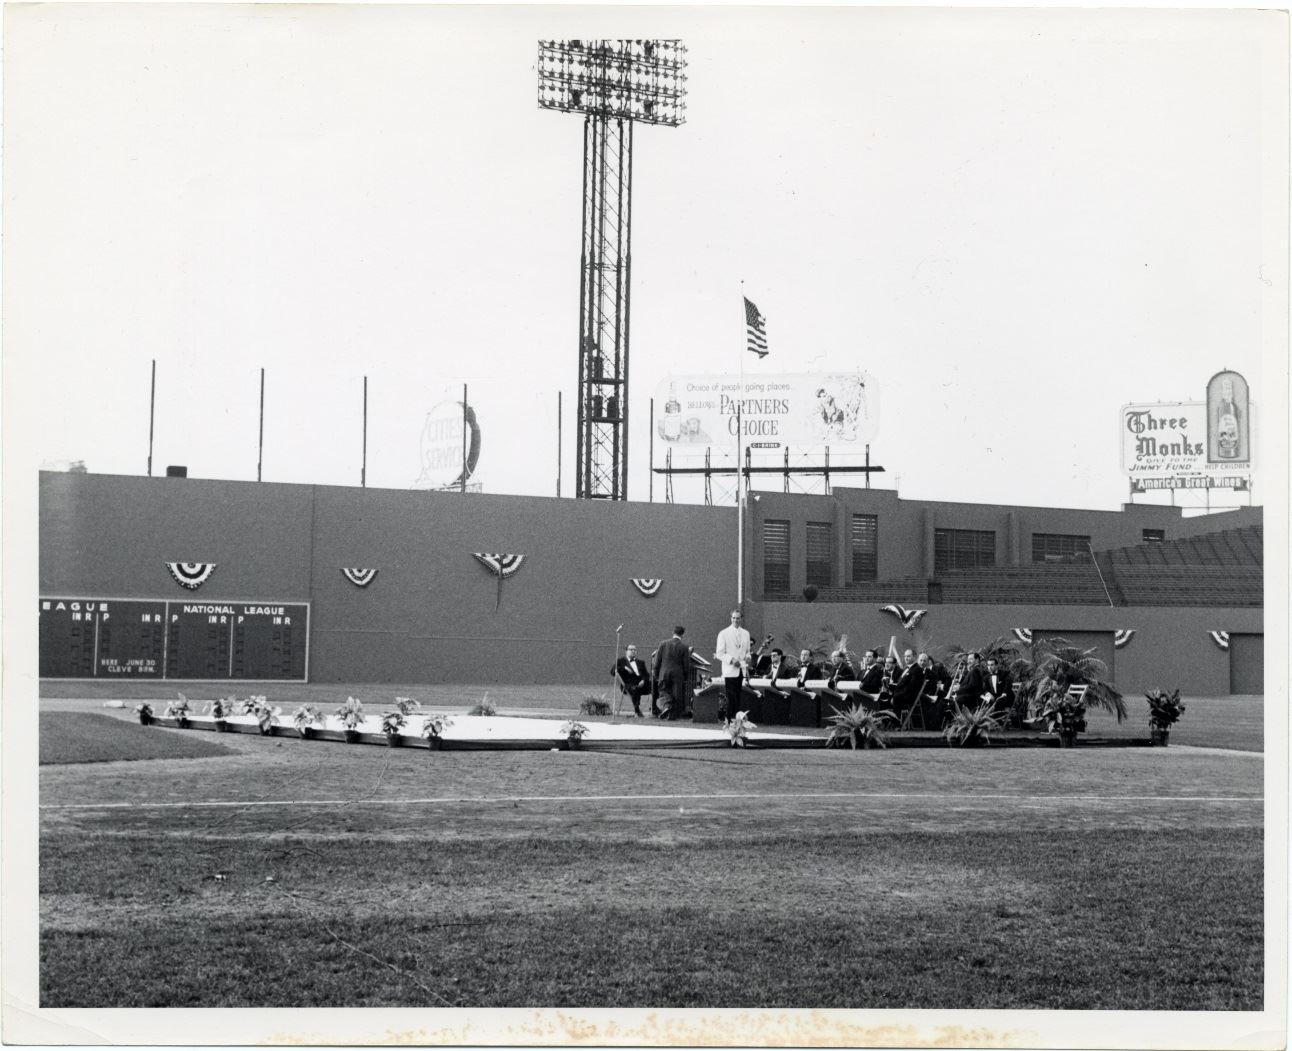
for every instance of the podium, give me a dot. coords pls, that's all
(708, 701)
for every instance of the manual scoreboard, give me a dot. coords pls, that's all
(158, 639)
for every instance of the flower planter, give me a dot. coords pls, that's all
(351, 736)
(1158, 736)
(267, 729)
(572, 744)
(394, 741)
(181, 723)
(221, 726)
(1067, 738)
(305, 731)
(434, 744)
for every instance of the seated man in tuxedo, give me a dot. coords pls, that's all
(888, 678)
(839, 668)
(908, 685)
(808, 668)
(872, 675)
(635, 679)
(997, 682)
(969, 692)
(776, 666)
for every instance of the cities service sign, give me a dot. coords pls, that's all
(789, 410)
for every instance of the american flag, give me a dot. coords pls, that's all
(755, 330)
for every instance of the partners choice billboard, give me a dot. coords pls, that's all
(1165, 446)
(92, 638)
(789, 410)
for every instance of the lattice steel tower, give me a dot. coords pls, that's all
(615, 83)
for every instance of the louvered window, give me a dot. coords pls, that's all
(820, 553)
(776, 555)
(865, 547)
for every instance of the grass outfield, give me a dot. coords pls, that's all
(1108, 878)
(85, 737)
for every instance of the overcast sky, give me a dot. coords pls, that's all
(1016, 222)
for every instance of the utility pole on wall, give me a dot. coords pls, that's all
(363, 468)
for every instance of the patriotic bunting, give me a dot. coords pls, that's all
(648, 586)
(1023, 635)
(191, 575)
(501, 566)
(908, 617)
(1122, 636)
(360, 578)
(1220, 638)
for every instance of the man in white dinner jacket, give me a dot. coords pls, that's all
(733, 650)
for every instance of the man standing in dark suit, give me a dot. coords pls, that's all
(997, 682)
(672, 663)
(634, 678)
(969, 692)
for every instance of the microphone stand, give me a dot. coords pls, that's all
(614, 676)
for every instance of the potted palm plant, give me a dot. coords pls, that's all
(1163, 711)
(972, 727)
(859, 727)
(351, 715)
(1057, 667)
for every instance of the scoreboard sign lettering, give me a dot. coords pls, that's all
(157, 639)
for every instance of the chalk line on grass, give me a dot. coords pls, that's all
(702, 796)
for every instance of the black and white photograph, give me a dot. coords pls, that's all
(627, 526)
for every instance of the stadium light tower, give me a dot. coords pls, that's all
(615, 83)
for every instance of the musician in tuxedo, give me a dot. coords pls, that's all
(872, 676)
(888, 678)
(733, 649)
(670, 673)
(635, 679)
(908, 684)
(839, 668)
(808, 668)
(969, 692)
(776, 666)
(997, 682)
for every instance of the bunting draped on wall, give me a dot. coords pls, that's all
(648, 586)
(191, 575)
(501, 566)
(1023, 635)
(1220, 638)
(360, 577)
(1122, 636)
(908, 617)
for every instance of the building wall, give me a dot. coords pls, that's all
(906, 529)
(430, 614)
(1170, 647)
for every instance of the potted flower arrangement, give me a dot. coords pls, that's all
(266, 716)
(859, 727)
(351, 715)
(391, 725)
(573, 732)
(973, 727)
(220, 709)
(1163, 710)
(738, 729)
(145, 712)
(177, 710)
(433, 727)
(305, 718)
(1064, 714)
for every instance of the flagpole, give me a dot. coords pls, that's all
(740, 503)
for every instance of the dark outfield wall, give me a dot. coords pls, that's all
(429, 616)
(1170, 648)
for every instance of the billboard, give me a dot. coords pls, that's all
(1166, 446)
(449, 445)
(791, 410)
(1229, 421)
